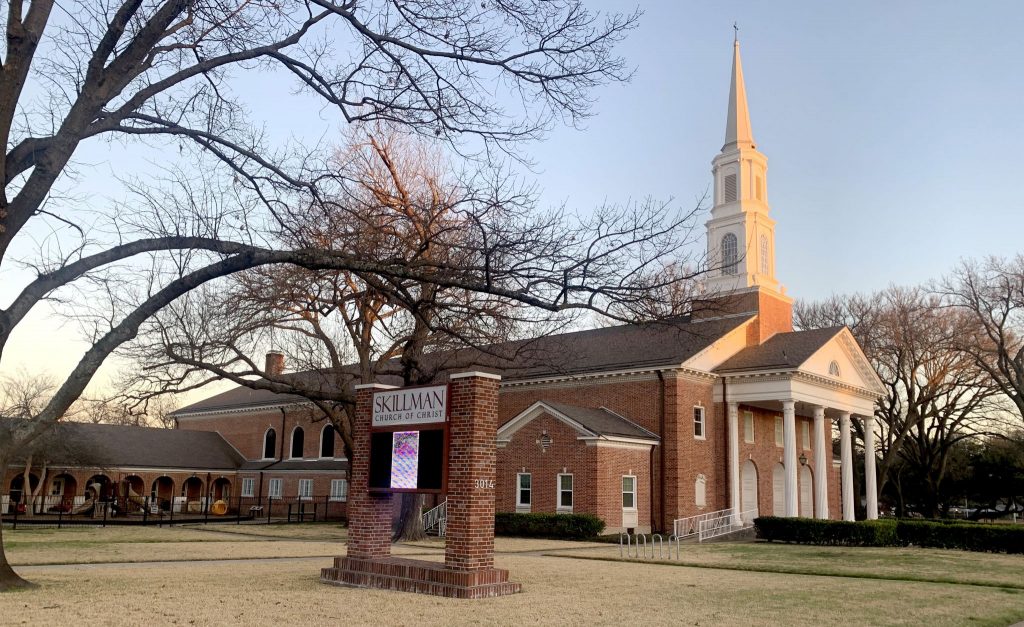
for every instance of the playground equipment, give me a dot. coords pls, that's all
(92, 495)
(219, 508)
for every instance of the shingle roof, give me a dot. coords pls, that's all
(782, 351)
(297, 464)
(595, 350)
(100, 445)
(601, 421)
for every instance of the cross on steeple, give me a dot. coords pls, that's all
(736, 35)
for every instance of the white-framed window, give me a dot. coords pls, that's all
(748, 427)
(833, 369)
(298, 443)
(524, 490)
(327, 441)
(339, 489)
(274, 488)
(700, 491)
(629, 492)
(730, 254)
(565, 492)
(305, 488)
(779, 433)
(698, 423)
(248, 487)
(730, 191)
(269, 444)
(805, 434)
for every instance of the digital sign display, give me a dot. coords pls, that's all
(407, 461)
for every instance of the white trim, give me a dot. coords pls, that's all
(219, 411)
(612, 441)
(374, 386)
(298, 490)
(558, 492)
(703, 423)
(342, 495)
(277, 481)
(291, 444)
(320, 451)
(251, 492)
(264, 447)
(753, 428)
(520, 506)
(677, 369)
(475, 373)
(634, 493)
(507, 430)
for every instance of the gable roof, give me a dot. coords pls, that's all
(599, 422)
(782, 351)
(651, 345)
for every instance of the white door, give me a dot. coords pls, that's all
(778, 490)
(806, 492)
(748, 488)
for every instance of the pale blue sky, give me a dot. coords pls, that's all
(892, 131)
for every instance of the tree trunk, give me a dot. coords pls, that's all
(9, 580)
(26, 487)
(410, 521)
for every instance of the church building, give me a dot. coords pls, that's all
(727, 409)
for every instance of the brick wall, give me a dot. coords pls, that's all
(246, 431)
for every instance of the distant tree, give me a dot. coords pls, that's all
(990, 293)
(936, 395)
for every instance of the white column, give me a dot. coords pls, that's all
(846, 464)
(789, 455)
(734, 461)
(870, 481)
(821, 465)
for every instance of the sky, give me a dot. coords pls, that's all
(891, 131)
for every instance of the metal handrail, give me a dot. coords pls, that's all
(725, 523)
(437, 517)
(690, 526)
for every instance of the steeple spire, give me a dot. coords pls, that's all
(737, 126)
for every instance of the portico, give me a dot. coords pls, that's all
(821, 375)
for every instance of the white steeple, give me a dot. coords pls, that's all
(741, 236)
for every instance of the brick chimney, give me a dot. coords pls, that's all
(275, 363)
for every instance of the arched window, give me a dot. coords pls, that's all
(833, 369)
(298, 440)
(764, 254)
(729, 254)
(327, 441)
(269, 444)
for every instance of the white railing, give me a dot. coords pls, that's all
(690, 526)
(725, 523)
(436, 517)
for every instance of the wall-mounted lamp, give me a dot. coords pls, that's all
(803, 459)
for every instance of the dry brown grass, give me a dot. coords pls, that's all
(556, 591)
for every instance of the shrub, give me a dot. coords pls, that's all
(827, 532)
(991, 538)
(537, 525)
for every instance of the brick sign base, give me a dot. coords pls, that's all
(468, 570)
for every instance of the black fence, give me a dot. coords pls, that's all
(154, 511)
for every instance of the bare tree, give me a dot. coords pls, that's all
(935, 394)
(161, 73)
(990, 293)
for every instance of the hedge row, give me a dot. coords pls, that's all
(966, 536)
(538, 525)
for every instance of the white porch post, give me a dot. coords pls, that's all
(789, 455)
(846, 464)
(870, 480)
(821, 466)
(734, 461)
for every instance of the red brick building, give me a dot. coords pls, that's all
(727, 408)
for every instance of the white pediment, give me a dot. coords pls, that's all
(842, 353)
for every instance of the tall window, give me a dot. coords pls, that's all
(700, 491)
(524, 490)
(249, 487)
(778, 431)
(698, 423)
(327, 441)
(269, 444)
(764, 254)
(748, 427)
(805, 434)
(339, 489)
(730, 254)
(565, 493)
(274, 489)
(298, 440)
(305, 489)
(628, 492)
(759, 188)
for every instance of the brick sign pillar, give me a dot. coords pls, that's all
(369, 520)
(468, 570)
(473, 425)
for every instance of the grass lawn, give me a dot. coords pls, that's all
(557, 590)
